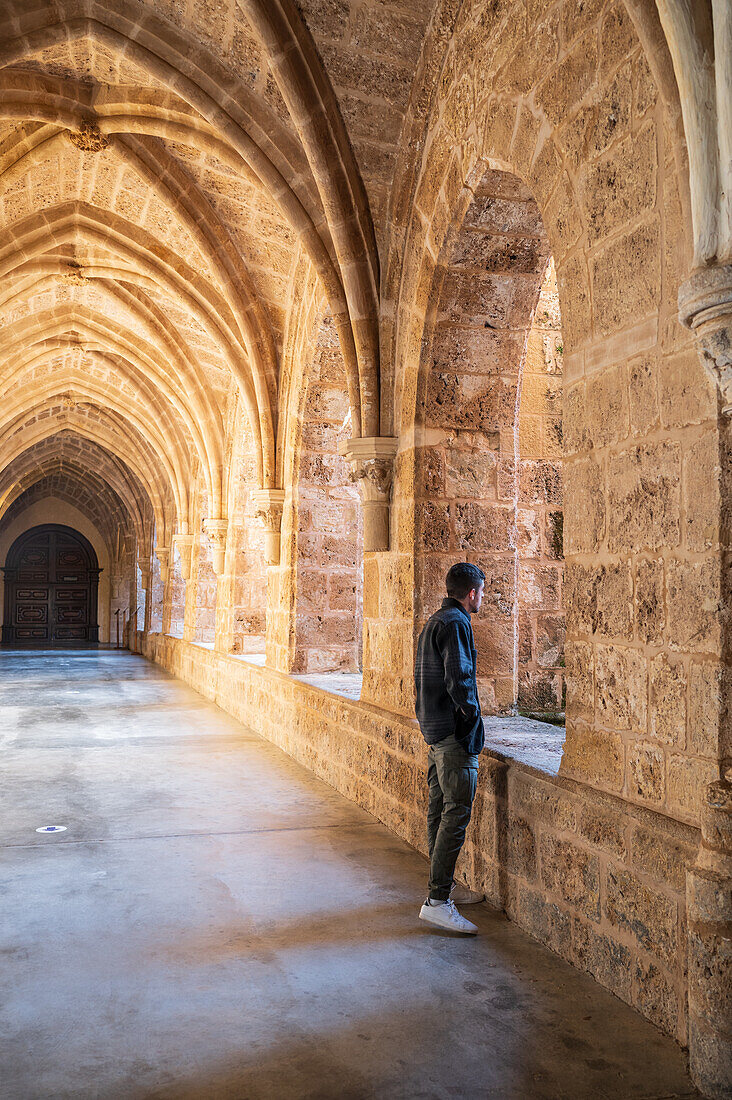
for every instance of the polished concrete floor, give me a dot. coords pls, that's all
(217, 923)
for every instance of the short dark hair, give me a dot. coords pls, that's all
(462, 578)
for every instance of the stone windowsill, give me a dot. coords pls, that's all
(536, 744)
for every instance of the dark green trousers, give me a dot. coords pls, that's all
(452, 778)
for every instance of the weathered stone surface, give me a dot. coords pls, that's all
(622, 184)
(662, 858)
(594, 756)
(549, 641)
(705, 707)
(482, 527)
(646, 765)
(603, 831)
(584, 526)
(603, 119)
(687, 778)
(714, 997)
(567, 84)
(605, 958)
(668, 700)
(693, 597)
(643, 396)
(572, 874)
(434, 526)
(654, 995)
(469, 473)
(650, 608)
(575, 426)
(548, 922)
(646, 914)
(521, 849)
(701, 495)
(644, 498)
(687, 394)
(606, 409)
(627, 276)
(600, 600)
(543, 803)
(621, 681)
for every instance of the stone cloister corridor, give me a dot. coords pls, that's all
(302, 302)
(215, 922)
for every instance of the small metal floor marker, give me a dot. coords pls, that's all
(51, 829)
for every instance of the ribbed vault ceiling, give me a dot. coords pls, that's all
(158, 188)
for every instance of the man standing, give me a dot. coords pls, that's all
(448, 711)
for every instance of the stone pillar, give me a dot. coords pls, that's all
(184, 546)
(709, 914)
(269, 504)
(216, 531)
(223, 629)
(705, 305)
(162, 553)
(146, 585)
(372, 465)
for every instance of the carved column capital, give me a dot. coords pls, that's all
(216, 532)
(162, 553)
(372, 466)
(705, 306)
(184, 545)
(269, 505)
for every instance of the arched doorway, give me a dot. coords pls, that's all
(51, 579)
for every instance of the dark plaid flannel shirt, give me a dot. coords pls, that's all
(445, 679)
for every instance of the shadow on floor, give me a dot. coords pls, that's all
(392, 1057)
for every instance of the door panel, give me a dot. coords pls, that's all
(51, 579)
(31, 613)
(70, 634)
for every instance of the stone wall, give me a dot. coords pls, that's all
(174, 604)
(589, 136)
(329, 568)
(599, 881)
(241, 600)
(201, 586)
(541, 619)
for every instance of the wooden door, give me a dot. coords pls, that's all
(51, 581)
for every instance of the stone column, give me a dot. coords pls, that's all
(372, 466)
(269, 504)
(216, 531)
(146, 584)
(162, 553)
(709, 914)
(705, 304)
(184, 546)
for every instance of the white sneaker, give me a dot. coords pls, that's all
(445, 915)
(462, 895)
